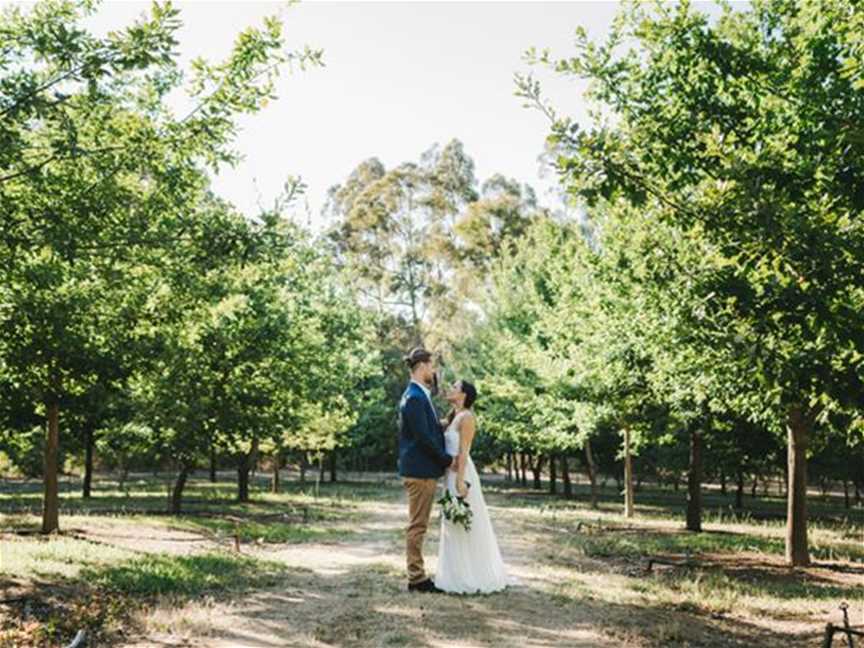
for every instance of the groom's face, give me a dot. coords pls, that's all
(426, 372)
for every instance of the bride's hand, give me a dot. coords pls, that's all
(454, 465)
(462, 489)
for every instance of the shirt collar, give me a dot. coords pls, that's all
(424, 388)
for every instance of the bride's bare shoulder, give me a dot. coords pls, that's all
(467, 420)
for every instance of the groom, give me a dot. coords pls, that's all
(422, 461)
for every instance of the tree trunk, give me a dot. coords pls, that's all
(723, 482)
(320, 476)
(755, 486)
(628, 476)
(553, 476)
(177, 492)
(509, 467)
(592, 472)
(739, 490)
(247, 462)
(212, 464)
(243, 479)
(565, 475)
(847, 502)
(797, 553)
(88, 462)
(694, 481)
(333, 466)
(303, 468)
(523, 461)
(51, 499)
(537, 469)
(124, 473)
(277, 464)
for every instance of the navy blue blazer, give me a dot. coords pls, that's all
(421, 439)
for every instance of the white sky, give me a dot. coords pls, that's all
(399, 77)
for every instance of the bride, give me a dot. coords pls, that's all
(469, 562)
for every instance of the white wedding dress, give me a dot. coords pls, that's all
(469, 562)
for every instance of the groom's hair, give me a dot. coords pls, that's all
(417, 356)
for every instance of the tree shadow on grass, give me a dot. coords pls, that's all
(367, 606)
(298, 502)
(657, 502)
(614, 538)
(102, 599)
(364, 605)
(681, 556)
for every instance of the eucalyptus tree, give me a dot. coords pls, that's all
(417, 236)
(483, 232)
(381, 234)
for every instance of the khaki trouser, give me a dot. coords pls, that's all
(421, 493)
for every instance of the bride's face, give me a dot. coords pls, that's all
(455, 396)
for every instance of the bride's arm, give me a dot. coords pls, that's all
(467, 428)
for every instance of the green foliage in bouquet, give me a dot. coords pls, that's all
(456, 509)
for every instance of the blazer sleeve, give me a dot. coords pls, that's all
(417, 421)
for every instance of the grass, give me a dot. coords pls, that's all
(188, 576)
(835, 533)
(149, 495)
(733, 571)
(297, 514)
(55, 558)
(111, 556)
(78, 585)
(267, 532)
(641, 541)
(119, 550)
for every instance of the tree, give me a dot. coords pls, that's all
(381, 238)
(396, 230)
(741, 132)
(419, 242)
(94, 172)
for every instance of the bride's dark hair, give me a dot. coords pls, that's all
(470, 392)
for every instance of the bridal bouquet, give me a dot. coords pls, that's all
(456, 509)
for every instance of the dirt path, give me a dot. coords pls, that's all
(351, 593)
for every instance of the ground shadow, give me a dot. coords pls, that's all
(360, 607)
